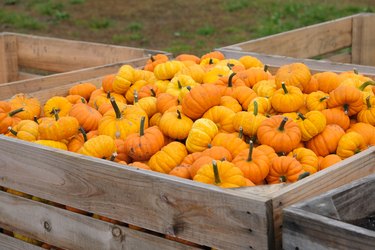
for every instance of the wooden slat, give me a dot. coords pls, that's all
(29, 218)
(364, 39)
(306, 230)
(196, 212)
(40, 83)
(8, 59)
(60, 55)
(350, 169)
(340, 58)
(25, 76)
(10, 243)
(315, 66)
(304, 42)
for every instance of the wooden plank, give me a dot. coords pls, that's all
(306, 230)
(60, 228)
(346, 171)
(340, 58)
(25, 76)
(204, 214)
(32, 85)
(304, 42)
(10, 243)
(364, 39)
(315, 66)
(8, 59)
(60, 55)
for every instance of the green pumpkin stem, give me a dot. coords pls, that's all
(179, 114)
(301, 176)
(152, 58)
(284, 88)
(283, 178)
(115, 108)
(55, 113)
(216, 172)
(250, 156)
(323, 98)
(209, 145)
(368, 103)
(83, 100)
(255, 112)
(83, 132)
(188, 87)
(365, 84)
(265, 68)
(135, 96)
(12, 131)
(240, 133)
(282, 124)
(35, 119)
(230, 82)
(300, 115)
(153, 93)
(14, 112)
(355, 71)
(142, 126)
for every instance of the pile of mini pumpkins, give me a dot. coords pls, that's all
(220, 121)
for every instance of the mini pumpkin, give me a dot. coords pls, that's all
(168, 157)
(83, 89)
(181, 125)
(337, 116)
(280, 133)
(350, 144)
(294, 74)
(222, 117)
(326, 142)
(311, 124)
(328, 161)
(366, 130)
(87, 117)
(57, 104)
(222, 173)
(287, 99)
(141, 146)
(284, 169)
(26, 130)
(101, 146)
(200, 135)
(316, 101)
(346, 97)
(31, 106)
(307, 158)
(367, 114)
(7, 116)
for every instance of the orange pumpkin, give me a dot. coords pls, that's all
(141, 146)
(366, 130)
(287, 99)
(328, 161)
(294, 74)
(337, 116)
(346, 97)
(280, 133)
(350, 144)
(31, 106)
(82, 89)
(284, 169)
(326, 142)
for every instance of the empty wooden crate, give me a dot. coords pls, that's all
(346, 40)
(343, 218)
(29, 63)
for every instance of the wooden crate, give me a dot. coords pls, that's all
(326, 221)
(346, 40)
(243, 218)
(29, 63)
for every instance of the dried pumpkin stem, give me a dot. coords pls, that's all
(230, 80)
(323, 98)
(355, 71)
(211, 61)
(250, 156)
(365, 84)
(152, 58)
(12, 131)
(113, 156)
(282, 124)
(16, 111)
(115, 108)
(216, 172)
(368, 103)
(346, 108)
(153, 94)
(301, 176)
(282, 178)
(135, 94)
(179, 84)
(284, 88)
(209, 145)
(265, 68)
(255, 112)
(55, 113)
(108, 95)
(300, 115)
(188, 88)
(142, 126)
(240, 132)
(179, 114)
(83, 132)
(35, 119)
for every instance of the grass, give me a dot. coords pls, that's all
(194, 30)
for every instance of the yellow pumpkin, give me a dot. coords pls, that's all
(200, 135)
